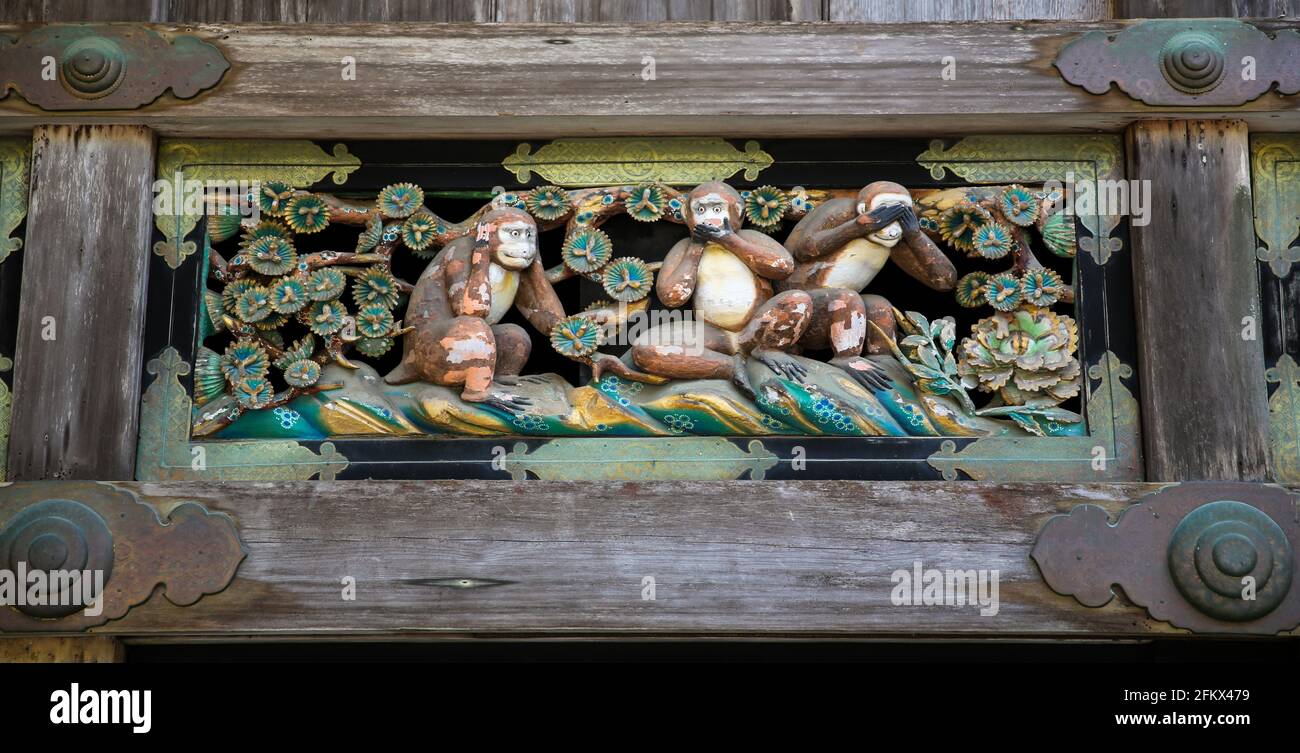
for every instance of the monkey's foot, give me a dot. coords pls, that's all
(604, 363)
(512, 404)
(864, 372)
(740, 377)
(781, 364)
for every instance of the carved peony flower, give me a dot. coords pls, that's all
(1027, 355)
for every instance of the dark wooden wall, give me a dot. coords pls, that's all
(566, 11)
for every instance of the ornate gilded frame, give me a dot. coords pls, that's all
(1275, 189)
(1110, 452)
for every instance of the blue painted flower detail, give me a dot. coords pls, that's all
(325, 284)
(374, 321)
(766, 206)
(645, 203)
(326, 318)
(548, 203)
(400, 200)
(244, 359)
(679, 424)
(587, 250)
(1019, 205)
(289, 295)
(288, 418)
(418, 233)
(1003, 292)
(375, 346)
(993, 241)
(627, 279)
(273, 196)
(254, 304)
(576, 336)
(971, 288)
(375, 286)
(303, 373)
(307, 213)
(959, 224)
(529, 422)
(1041, 287)
(271, 255)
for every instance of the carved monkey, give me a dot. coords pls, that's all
(840, 247)
(457, 305)
(724, 272)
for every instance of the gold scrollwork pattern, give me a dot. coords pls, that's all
(656, 459)
(1275, 189)
(298, 163)
(615, 161)
(1036, 159)
(15, 165)
(1284, 419)
(165, 452)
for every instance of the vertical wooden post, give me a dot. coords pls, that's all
(76, 393)
(1204, 407)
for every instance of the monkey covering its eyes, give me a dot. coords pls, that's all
(840, 246)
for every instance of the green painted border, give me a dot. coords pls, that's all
(1275, 192)
(15, 185)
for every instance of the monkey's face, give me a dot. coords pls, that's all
(710, 211)
(888, 235)
(516, 244)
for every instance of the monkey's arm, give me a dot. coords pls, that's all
(537, 299)
(760, 253)
(675, 283)
(917, 255)
(840, 225)
(467, 279)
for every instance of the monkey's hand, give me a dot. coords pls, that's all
(705, 233)
(602, 363)
(865, 373)
(882, 216)
(781, 364)
(485, 231)
(909, 221)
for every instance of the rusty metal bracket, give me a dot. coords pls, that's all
(88, 527)
(1207, 556)
(1197, 62)
(106, 66)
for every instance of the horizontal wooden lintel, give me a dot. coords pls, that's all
(460, 559)
(736, 79)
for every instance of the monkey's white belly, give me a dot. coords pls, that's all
(856, 265)
(725, 290)
(505, 283)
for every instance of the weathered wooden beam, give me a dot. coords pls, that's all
(729, 79)
(1204, 407)
(81, 323)
(552, 558)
